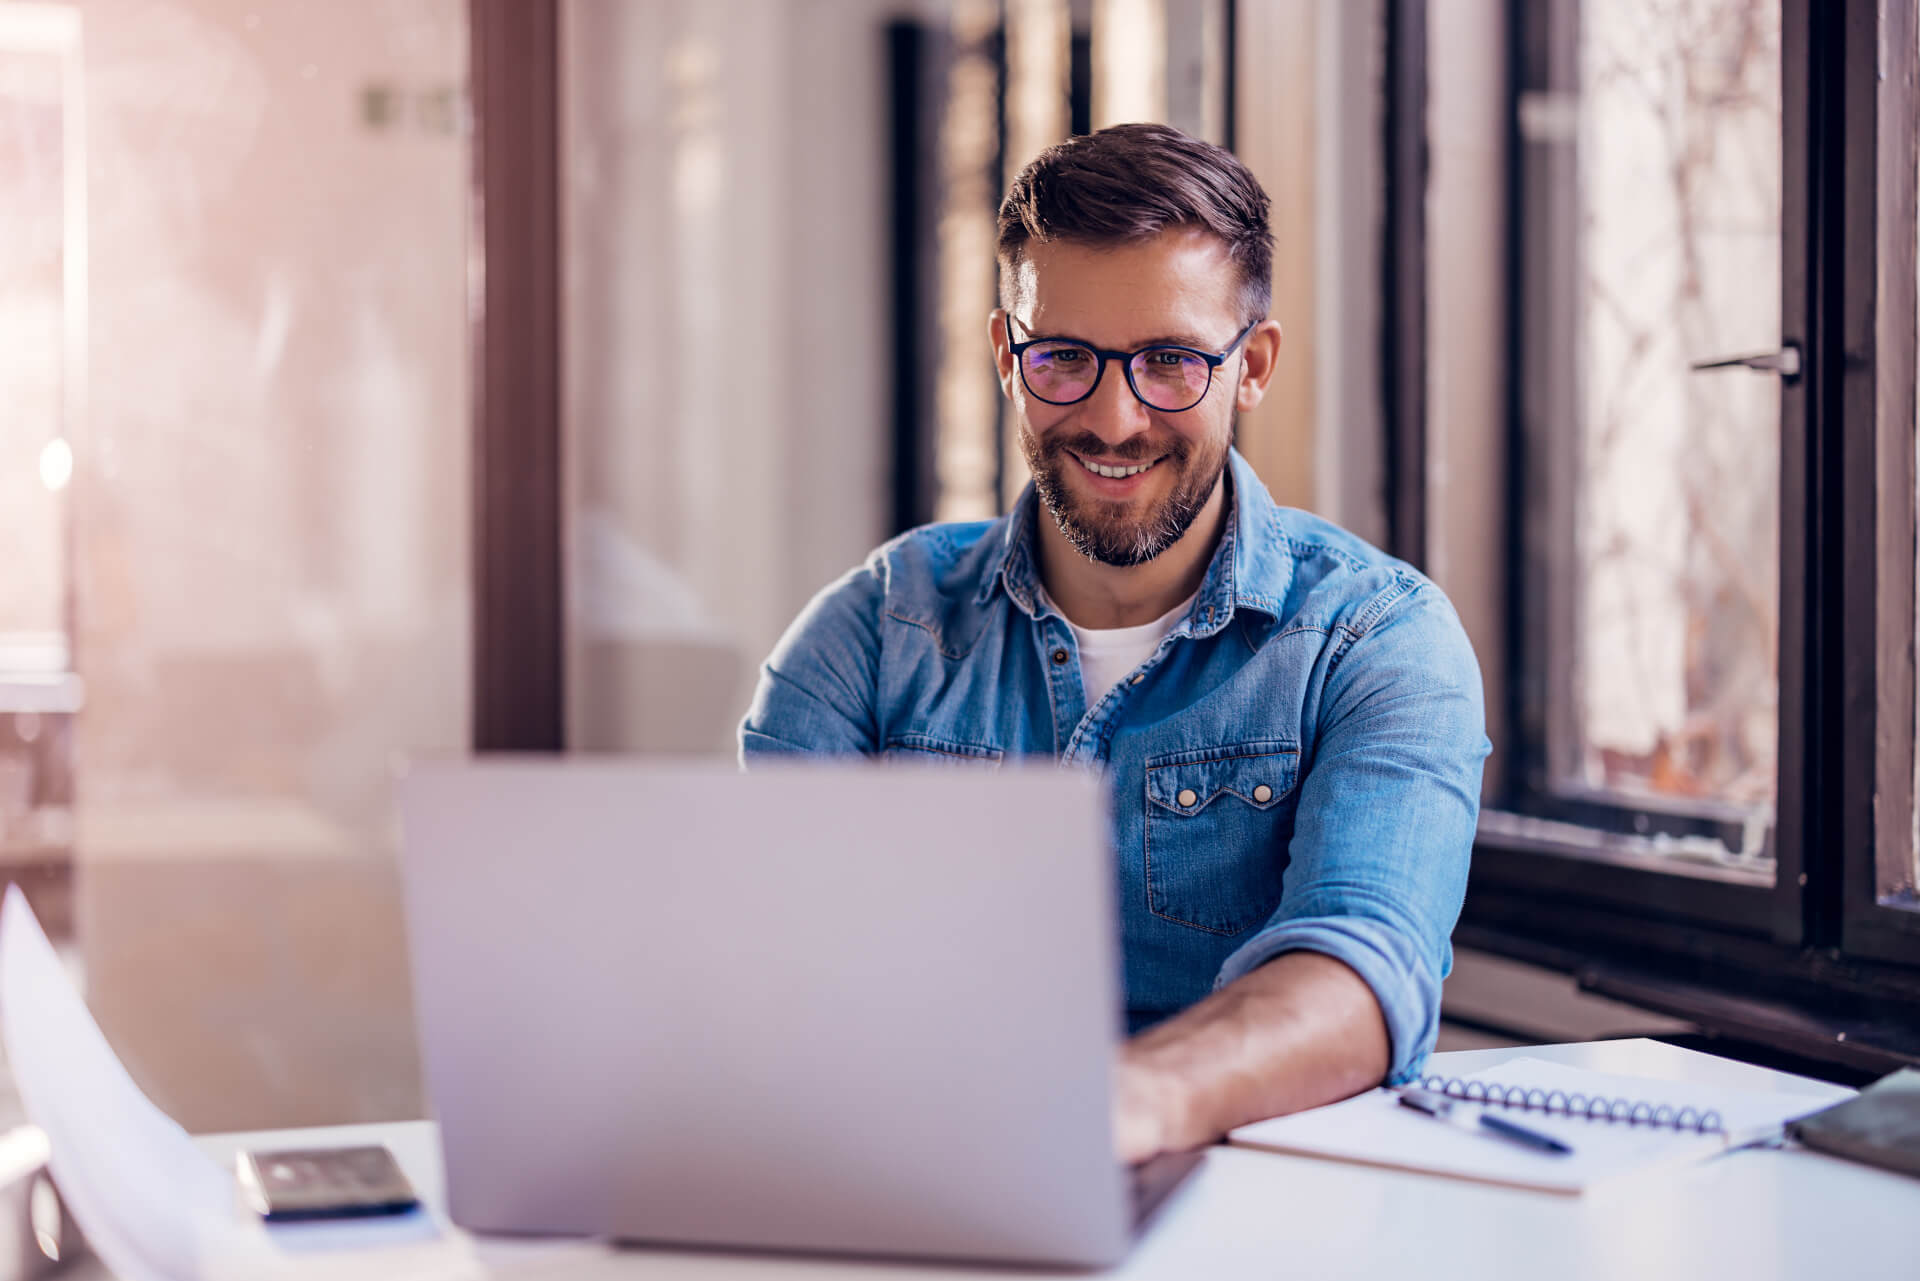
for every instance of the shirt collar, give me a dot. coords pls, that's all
(1250, 568)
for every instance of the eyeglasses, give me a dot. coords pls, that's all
(1165, 376)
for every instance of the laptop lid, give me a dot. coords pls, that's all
(846, 1008)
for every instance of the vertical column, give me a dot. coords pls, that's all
(1129, 61)
(1038, 114)
(967, 447)
(518, 690)
(1275, 127)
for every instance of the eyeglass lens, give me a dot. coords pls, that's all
(1167, 378)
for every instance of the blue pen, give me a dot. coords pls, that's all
(1440, 1108)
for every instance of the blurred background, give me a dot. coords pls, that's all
(275, 428)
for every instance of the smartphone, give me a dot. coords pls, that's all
(323, 1183)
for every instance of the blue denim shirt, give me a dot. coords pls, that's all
(1297, 766)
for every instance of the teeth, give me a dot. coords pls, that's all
(1114, 473)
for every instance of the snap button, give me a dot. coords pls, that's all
(1187, 797)
(1263, 794)
(1060, 655)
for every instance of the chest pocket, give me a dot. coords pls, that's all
(1218, 823)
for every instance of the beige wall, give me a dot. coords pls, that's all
(1309, 124)
(1466, 329)
(1274, 134)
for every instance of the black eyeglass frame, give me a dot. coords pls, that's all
(1102, 356)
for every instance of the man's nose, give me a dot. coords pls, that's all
(1113, 412)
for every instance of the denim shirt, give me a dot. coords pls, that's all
(1296, 766)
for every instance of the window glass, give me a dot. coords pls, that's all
(1675, 674)
(38, 296)
(34, 210)
(267, 554)
(729, 357)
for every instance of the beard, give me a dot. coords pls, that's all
(1108, 531)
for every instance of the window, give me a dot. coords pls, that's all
(1710, 726)
(1649, 145)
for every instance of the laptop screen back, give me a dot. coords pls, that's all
(844, 1008)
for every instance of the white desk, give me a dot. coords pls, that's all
(1754, 1215)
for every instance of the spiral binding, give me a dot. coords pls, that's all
(1586, 1107)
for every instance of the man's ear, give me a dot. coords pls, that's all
(1259, 356)
(1002, 353)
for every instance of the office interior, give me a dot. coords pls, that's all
(384, 380)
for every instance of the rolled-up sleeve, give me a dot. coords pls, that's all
(816, 690)
(1386, 815)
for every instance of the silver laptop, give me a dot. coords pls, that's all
(833, 1008)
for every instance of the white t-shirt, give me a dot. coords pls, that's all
(1108, 655)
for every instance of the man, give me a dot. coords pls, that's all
(1291, 719)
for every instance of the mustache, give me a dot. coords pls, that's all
(1137, 449)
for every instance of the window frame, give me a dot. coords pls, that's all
(1543, 284)
(1880, 474)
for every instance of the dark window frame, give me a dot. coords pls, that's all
(1817, 941)
(1880, 476)
(1403, 346)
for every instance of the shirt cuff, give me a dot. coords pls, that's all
(1407, 989)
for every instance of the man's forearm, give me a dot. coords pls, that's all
(1301, 1030)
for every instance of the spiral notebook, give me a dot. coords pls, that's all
(1617, 1126)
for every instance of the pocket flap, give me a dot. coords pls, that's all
(1262, 774)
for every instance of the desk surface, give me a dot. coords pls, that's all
(1755, 1215)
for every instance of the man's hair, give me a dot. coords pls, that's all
(1129, 183)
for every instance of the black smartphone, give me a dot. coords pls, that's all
(324, 1183)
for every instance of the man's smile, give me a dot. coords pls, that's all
(1115, 470)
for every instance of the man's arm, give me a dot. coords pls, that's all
(1301, 1030)
(1341, 988)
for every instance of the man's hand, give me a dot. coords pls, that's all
(1300, 1031)
(1147, 1111)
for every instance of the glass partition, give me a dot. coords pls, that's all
(260, 521)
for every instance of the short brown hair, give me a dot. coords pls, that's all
(1129, 183)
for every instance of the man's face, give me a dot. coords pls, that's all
(1179, 287)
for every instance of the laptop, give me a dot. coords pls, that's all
(846, 1008)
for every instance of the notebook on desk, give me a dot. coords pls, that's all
(1616, 1126)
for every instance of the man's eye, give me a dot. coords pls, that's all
(1063, 356)
(1167, 359)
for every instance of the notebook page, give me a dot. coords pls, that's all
(1374, 1129)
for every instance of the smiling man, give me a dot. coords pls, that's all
(1291, 719)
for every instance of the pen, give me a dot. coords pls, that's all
(1440, 1108)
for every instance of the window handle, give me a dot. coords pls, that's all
(1785, 362)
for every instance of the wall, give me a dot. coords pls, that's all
(1467, 330)
(1310, 124)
